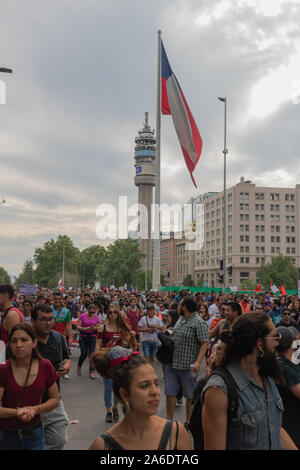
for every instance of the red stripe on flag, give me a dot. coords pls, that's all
(165, 108)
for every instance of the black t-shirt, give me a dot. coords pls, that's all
(290, 418)
(55, 350)
(292, 323)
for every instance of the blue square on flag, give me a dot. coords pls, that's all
(139, 169)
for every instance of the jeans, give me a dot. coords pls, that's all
(28, 439)
(87, 347)
(149, 348)
(108, 393)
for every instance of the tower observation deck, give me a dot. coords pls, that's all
(144, 156)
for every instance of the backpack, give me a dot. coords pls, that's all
(165, 351)
(195, 424)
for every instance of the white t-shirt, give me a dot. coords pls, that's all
(146, 322)
(213, 309)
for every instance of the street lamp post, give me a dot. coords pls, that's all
(225, 151)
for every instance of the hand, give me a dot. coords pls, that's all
(132, 333)
(26, 414)
(196, 366)
(63, 371)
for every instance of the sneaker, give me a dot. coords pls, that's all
(108, 418)
(179, 401)
(115, 415)
(92, 375)
(79, 371)
(66, 377)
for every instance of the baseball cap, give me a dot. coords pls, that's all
(149, 305)
(287, 337)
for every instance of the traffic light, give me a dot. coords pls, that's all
(221, 278)
(229, 270)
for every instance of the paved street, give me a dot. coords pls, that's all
(83, 400)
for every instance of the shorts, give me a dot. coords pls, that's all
(174, 378)
(149, 348)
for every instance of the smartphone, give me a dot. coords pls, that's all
(61, 364)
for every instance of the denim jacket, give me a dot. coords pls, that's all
(259, 418)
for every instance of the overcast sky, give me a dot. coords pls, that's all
(84, 73)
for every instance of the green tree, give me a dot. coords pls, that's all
(4, 276)
(200, 281)
(280, 271)
(49, 261)
(248, 284)
(188, 281)
(122, 263)
(91, 262)
(27, 275)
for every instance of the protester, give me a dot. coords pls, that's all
(149, 326)
(87, 326)
(190, 346)
(23, 380)
(232, 310)
(249, 355)
(289, 388)
(62, 317)
(52, 346)
(26, 310)
(112, 333)
(11, 315)
(287, 320)
(136, 384)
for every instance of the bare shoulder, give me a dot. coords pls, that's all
(184, 441)
(98, 444)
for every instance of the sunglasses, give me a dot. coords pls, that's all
(278, 336)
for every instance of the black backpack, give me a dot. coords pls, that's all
(165, 351)
(195, 424)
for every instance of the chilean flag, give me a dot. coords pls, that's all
(173, 102)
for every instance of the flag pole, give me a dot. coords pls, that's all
(156, 247)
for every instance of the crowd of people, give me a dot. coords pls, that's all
(194, 340)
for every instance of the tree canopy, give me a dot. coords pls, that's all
(280, 271)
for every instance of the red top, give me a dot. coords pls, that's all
(111, 339)
(4, 332)
(15, 397)
(134, 317)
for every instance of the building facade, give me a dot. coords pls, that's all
(262, 222)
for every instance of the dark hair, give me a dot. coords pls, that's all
(235, 307)
(101, 362)
(123, 374)
(28, 301)
(94, 306)
(174, 315)
(40, 308)
(277, 302)
(190, 303)
(242, 339)
(202, 305)
(41, 297)
(30, 331)
(286, 310)
(7, 289)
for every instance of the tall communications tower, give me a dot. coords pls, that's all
(144, 155)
